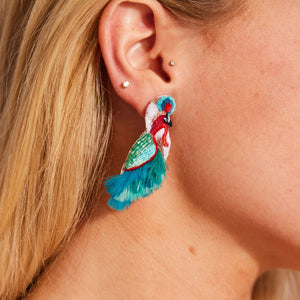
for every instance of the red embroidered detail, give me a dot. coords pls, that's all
(168, 107)
(158, 124)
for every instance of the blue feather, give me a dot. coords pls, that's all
(136, 184)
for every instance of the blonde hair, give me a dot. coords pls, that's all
(55, 126)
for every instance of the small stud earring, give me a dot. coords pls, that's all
(125, 84)
(172, 63)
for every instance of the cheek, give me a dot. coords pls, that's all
(239, 141)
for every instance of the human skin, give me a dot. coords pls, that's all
(229, 208)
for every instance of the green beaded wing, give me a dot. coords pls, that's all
(143, 150)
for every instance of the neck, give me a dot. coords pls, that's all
(163, 247)
(159, 249)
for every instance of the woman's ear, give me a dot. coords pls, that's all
(136, 41)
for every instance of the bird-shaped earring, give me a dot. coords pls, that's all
(144, 168)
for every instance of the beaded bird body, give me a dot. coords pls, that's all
(144, 168)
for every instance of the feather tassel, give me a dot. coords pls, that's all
(136, 184)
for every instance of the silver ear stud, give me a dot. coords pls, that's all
(172, 63)
(125, 84)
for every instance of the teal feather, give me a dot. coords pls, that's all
(137, 183)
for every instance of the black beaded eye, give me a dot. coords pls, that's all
(167, 120)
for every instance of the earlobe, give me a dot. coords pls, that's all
(129, 37)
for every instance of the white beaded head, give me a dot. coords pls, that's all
(151, 112)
